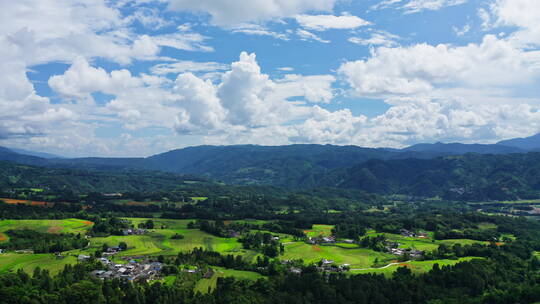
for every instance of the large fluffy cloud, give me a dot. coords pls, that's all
(421, 68)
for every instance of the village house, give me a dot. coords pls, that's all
(133, 271)
(134, 231)
(295, 270)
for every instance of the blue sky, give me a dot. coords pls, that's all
(138, 77)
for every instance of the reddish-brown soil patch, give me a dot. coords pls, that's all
(25, 202)
(88, 223)
(316, 248)
(499, 243)
(405, 265)
(54, 229)
(3, 237)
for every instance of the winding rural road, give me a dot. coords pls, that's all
(391, 264)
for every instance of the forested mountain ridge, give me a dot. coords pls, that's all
(293, 166)
(474, 177)
(466, 177)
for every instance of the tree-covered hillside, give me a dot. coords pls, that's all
(467, 177)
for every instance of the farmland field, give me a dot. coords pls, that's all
(324, 230)
(356, 257)
(203, 285)
(159, 241)
(51, 226)
(27, 262)
(414, 266)
(26, 202)
(424, 243)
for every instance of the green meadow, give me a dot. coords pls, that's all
(424, 244)
(204, 285)
(51, 226)
(28, 262)
(415, 266)
(339, 253)
(316, 230)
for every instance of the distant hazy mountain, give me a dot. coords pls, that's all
(458, 148)
(34, 153)
(528, 143)
(12, 156)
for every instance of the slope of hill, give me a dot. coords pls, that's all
(528, 143)
(458, 148)
(293, 166)
(467, 177)
(14, 176)
(36, 154)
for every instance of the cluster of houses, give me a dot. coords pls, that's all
(408, 233)
(413, 253)
(132, 271)
(322, 240)
(393, 248)
(134, 231)
(208, 274)
(329, 266)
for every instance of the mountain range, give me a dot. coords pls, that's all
(292, 166)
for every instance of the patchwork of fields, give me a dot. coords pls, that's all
(159, 241)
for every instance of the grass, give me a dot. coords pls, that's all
(533, 201)
(204, 285)
(316, 230)
(159, 241)
(416, 267)
(356, 257)
(486, 226)
(51, 226)
(198, 198)
(424, 244)
(28, 262)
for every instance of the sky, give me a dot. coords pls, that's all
(140, 77)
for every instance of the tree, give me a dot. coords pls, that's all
(123, 246)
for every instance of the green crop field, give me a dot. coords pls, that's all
(51, 226)
(356, 257)
(203, 285)
(27, 262)
(159, 241)
(414, 266)
(425, 244)
(316, 230)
